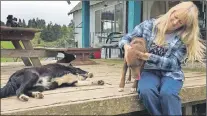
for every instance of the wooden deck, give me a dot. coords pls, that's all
(93, 100)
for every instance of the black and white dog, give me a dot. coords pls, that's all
(31, 82)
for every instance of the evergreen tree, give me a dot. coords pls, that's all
(20, 23)
(24, 24)
(71, 24)
(29, 23)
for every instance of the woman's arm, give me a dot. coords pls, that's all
(137, 32)
(169, 63)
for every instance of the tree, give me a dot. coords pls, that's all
(29, 23)
(37, 23)
(71, 29)
(46, 34)
(51, 33)
(41, 23)
(64, 30)
(24, 24)
(71, 24)
(67, 39)
(20, 22)
(56, 29)
(34, 23)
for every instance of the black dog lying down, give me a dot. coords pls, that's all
(32, 81)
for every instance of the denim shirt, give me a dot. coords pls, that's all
(170, 63)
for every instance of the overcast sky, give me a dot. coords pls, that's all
(54, 11)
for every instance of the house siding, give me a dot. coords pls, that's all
(94, 41)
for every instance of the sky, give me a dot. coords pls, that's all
(54, 11)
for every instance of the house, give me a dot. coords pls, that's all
(113, 16)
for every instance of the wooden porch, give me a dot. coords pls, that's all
(96, 100)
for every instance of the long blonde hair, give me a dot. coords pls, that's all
(190, 33)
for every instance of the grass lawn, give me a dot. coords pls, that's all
(7, 45)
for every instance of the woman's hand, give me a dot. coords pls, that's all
(126, 47)
(143, 56)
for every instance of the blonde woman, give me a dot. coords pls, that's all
(170, 39)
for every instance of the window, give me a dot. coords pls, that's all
(119, 17)
(109, 19)
(97, 21)
(158, 8)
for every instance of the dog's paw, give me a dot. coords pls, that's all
(23, 97)
(121, 89)
(133, 90)
(38, 95)
(90, 75)
(80, 77)
(99, 82)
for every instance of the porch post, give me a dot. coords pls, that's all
(134, 14)
(85, 24)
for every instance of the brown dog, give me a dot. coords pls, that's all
(135, 65)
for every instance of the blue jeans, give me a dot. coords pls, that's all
(160, 94)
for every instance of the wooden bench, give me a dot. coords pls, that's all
(25, 52)
(82, 54)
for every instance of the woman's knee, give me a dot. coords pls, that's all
(167, 94)
(171, 88)
(148, 84)
(145, 91)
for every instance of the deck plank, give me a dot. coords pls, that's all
(71, 96)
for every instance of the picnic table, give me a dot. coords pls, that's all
(82, 54)
(26, 52)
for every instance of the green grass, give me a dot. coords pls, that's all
(8, 45)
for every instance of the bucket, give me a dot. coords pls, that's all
(97, 54)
